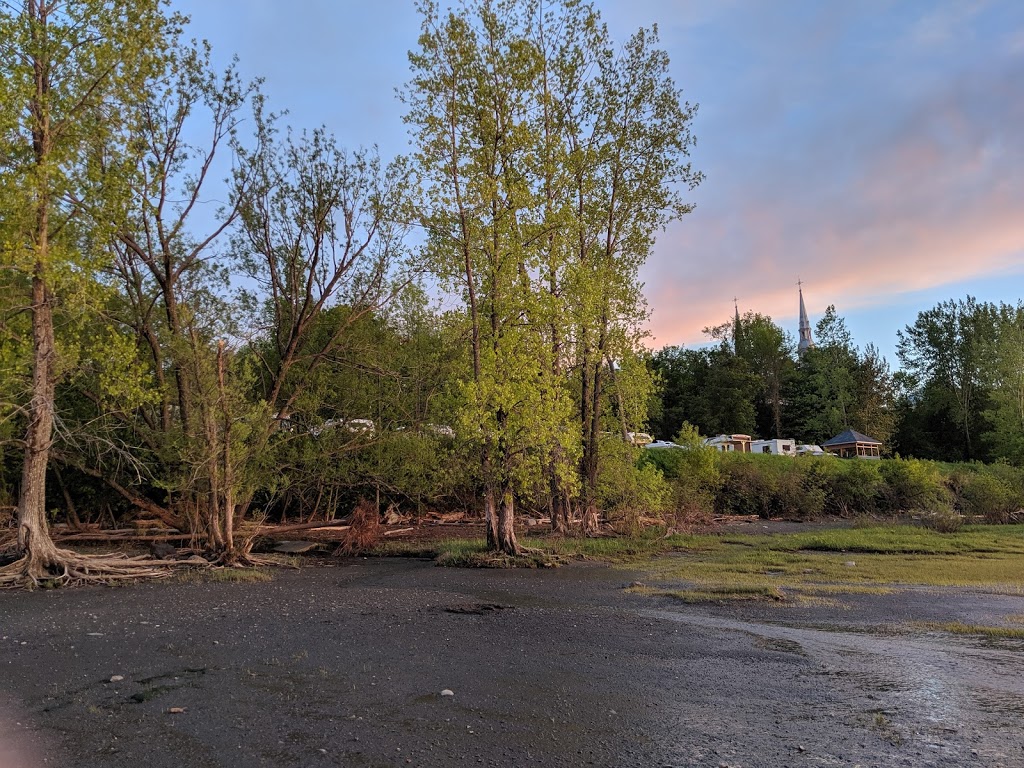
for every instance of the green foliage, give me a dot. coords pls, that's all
(629, 488)
(692, 471)
(946, 348)
(913, 485)
(993, 492)
(852, 488)
(769, 486)
(712, 389)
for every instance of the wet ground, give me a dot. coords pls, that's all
(345, 666)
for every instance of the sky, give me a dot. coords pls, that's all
(872, 150)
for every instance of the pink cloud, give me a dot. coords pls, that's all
(937, 201)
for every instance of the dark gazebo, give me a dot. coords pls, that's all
(851, 444)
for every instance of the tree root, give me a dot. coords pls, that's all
(63, 567)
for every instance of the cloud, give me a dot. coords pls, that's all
(897, 184)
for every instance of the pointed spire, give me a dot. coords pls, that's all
(806, 342)
(736, 329)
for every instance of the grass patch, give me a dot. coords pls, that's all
(976, 630)
(225, 575)
(611, 549)
(542, 551)
(714, 594)
(454, 548)
(847, 561)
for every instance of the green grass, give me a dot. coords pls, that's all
(713, 593)
(800, 567)
(542, 551)
(848, 561)
(977, 630)
(469, 551)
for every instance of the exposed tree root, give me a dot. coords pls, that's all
(63, 567)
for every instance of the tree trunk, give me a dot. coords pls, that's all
(491, 518)
(228, 479)
(505, 533)
(33, 532)
(559, 499)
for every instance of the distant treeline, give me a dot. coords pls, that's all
(958, 395)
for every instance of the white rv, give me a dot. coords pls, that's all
(777, 447)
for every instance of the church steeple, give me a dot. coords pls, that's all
(806, 342)
(736, 328)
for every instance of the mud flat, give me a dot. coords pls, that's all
(353, 666)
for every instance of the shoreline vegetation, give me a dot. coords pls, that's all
(456, 331)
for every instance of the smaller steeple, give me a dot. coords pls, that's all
(736, 330)
(806, 342)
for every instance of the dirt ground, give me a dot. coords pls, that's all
(344, 663)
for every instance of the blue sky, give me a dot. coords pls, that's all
(874, 150)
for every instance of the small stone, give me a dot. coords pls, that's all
(161, 550)
(116, 678)
(447, 692)
(324, 751)
(801, 747)
(295, 547)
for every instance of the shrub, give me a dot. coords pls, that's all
(800, 490)
(693, 475)
(852, 488)
(943, 521)
(748, 486)
(982, 493)
(628, 487)
(912, 484)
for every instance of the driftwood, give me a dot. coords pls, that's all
(263, 530)
(121, 534)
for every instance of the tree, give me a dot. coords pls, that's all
(1004, 374)
(711, 389)
(768, 351)
(630, 150)
(837, 387)
(320, 237)
(69, 67)
(469, 101)
(943, 352)
(549, 162)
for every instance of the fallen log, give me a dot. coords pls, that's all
(265, 530)
(121, 536)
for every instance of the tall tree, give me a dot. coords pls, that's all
(769, 352)
(631, 169)
(469, 106)
(837, 387)
(712, 389)
(68, 69)
(549, 161)
(1004, 369)
(943, 352)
